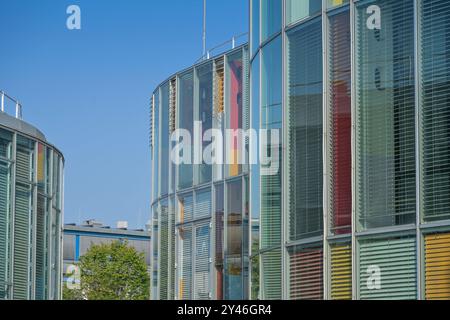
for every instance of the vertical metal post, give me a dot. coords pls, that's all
(2, 101)
(233, 42)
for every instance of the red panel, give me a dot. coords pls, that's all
(306, 275)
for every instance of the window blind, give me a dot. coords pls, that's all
(339, 110)
(434, 21)
(385, 103)
(305, 130)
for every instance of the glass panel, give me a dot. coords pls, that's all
(203, 206)
(305, 131)
(385, 115)
(5, 208)
(205, 98)
(233, 258)
(254, 32)
(299, 9)
(234, 123)
(185, 208)
(155, 171)
(271, 118)
(219, 212)
(435, 108)
(155, 266)
(339, 110)
(186, 122)
(164, 165)
(271, 11)
(164, 250)
(202, 255)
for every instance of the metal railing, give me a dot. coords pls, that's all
(234, 41)
(6, 100)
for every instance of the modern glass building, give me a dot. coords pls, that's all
(31, 211)
(200, 212)
(360, 91)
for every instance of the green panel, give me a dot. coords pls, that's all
(395, 259)
(22, 223)
(164, 251)
(5, 194)
(271, 274)
(385, 115)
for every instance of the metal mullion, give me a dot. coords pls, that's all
(51, 293)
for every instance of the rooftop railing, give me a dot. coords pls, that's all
(234, 42)
(8, 103)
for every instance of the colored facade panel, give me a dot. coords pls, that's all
(437, 266)
(341, 272)
(434, 38)
(339, 111)
(385, 115)
(387, 269)
(306, 274)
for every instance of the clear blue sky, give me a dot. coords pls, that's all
(89, 90)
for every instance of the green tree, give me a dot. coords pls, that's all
(113, 271)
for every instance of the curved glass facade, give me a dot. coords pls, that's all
(200, 212)
(359, 90)
(31, 210)
(359, 209)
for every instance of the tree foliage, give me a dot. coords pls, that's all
(113, 271)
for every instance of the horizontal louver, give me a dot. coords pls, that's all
(340, 122)
(202, 266)
(271, 274)
(306, 274)
(185, 285)
(385, 115)
(387, 269)
(341, 272)
(305, 130)
(203, 205)
(164, 251)
(4, 223)
(437, 266)
(434, 26)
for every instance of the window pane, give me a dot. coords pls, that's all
(435, 108)
(155, 171)
(270, 223)
(254, 32)
(186, 122)
(235, 95)
(270, 18)
(219, 212)
(164, 165)
(305, 131)
(233, 258)
(336, 3)
(385, 103)
(299, 9)
(339, 61)
(205, 91)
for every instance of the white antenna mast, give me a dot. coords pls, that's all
(204, 29)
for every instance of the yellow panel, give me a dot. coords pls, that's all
(337, 2)
(341, 272)
(234, 167)
(437, 266)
